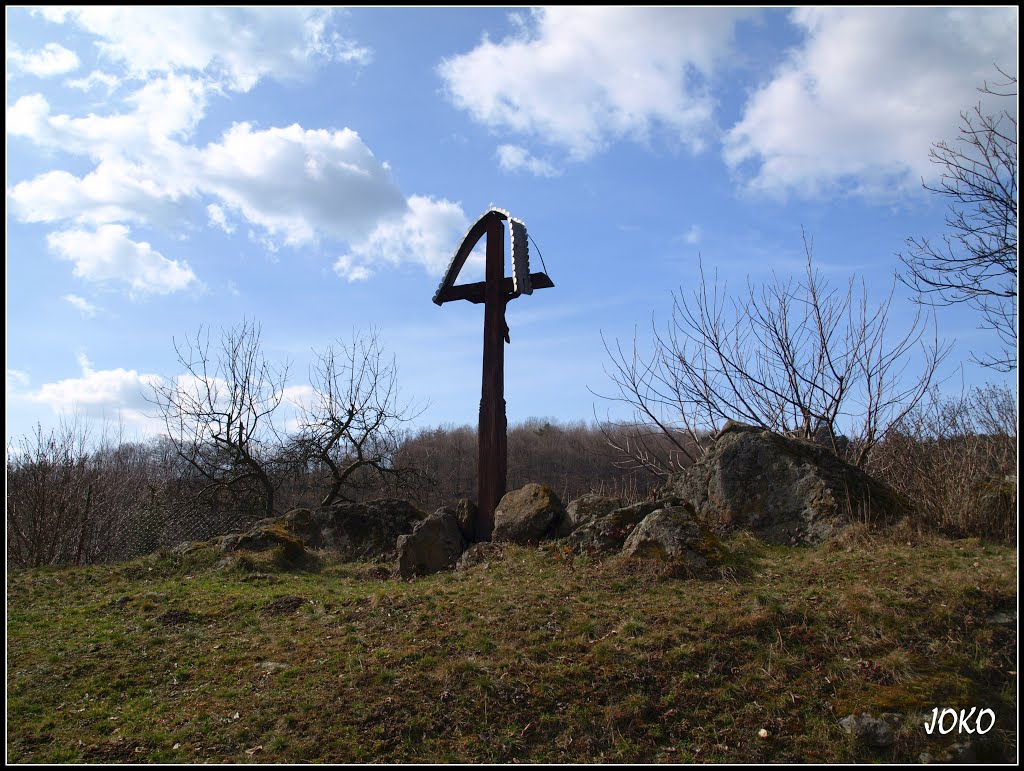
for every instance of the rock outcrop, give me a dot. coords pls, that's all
(674, 535)
(785, 490)
(366, 530)
(435, 544)
(607, 533)
(588, 507)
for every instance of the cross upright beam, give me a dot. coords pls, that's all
(493, 432)
(494, 292)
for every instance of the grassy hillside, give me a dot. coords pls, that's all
(533, 657)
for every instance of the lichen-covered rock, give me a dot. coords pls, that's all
(674, 535)
(606, 533)
(435, 544)
(367, 530)
(869, 731)
(588, 507)
(304, 524)
(784, 490)
(264, 538)
(527, 515)
(259, 539)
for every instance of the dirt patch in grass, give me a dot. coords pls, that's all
(179, 618)
(281, 605)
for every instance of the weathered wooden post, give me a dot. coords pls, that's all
(494, 292)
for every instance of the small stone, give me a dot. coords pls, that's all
(868, 730)
(272, 666)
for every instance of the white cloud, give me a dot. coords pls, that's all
(515, 158)
(584, 77)
(291, 185)
(862, 100)
(425, 234)
(348, 270)
(237, 46)
(93, 79)
(693, 234)
(51, 59)
(115, 191)
(86, 308)
(294, 182)
(163, 109)
(16, 379)
(217, 217)
(107, 393)
(108, 255)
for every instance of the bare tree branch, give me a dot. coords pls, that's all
(976, 263)
(219, 413)
(802, 358)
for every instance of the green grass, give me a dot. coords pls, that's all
(536, 657)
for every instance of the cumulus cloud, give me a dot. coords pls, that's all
(293, 181)
(860, 102)
(290, 185)
(51, 59)
(163, 109)
(581, 78)
(108, 255)
(86, 308)
(116, 191)
(238, 46)
(423, 235)
(99, 393)
(515, 158)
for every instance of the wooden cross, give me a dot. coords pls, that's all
(494, 292)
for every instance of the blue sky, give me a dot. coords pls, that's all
(314, 170)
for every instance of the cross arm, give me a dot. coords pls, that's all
(475, 292)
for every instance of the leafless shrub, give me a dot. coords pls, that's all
(73, 499)
(955, 457)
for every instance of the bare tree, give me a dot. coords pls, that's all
(794, 357)
(976, 263)
(355, 422)
(219, 415)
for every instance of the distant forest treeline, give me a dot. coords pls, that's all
(73, 500)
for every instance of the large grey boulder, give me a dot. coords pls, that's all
(367, 530)
(604, 534)
(783, 489)
(588, 507)
(435, 544)
(674, 535)
(527, 515)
